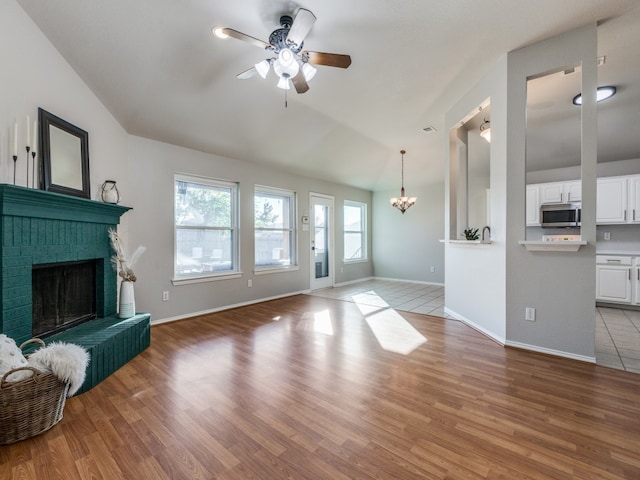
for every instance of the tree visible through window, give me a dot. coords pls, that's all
(355, 231)
(274, 222)
(205, 227)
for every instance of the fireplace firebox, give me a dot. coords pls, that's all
(64, 295)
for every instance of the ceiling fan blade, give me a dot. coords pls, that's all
(300, 83)
(301, 26)
(328, 59)
(247, 73)
(245, 38)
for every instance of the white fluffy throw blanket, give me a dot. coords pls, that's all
(66, 361)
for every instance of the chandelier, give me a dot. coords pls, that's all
(403, 202)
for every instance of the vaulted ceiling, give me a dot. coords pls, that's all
(163, 75)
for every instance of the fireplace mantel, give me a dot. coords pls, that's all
(39, 227)
(28, 202)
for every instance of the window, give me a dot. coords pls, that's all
(274, 221)
(355, 231)
(206, 227)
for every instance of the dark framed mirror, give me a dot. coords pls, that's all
(65, 156)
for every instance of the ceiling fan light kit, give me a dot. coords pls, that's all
(485, 130)
(291, 62)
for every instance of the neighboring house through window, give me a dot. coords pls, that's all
(355, 231)
(274, 224)
(206, 227)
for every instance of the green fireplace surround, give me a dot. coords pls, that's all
(40, 227)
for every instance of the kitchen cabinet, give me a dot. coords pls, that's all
(561, 192)
(533, 205)
(552, 192)
(614, 280)
(611, 201)
(634, 199)
(636, 277)
(618, 200)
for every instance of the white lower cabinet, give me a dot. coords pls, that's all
(615, 281)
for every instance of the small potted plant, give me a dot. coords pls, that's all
(471, 234)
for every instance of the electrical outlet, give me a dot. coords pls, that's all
(433, 269)
(607, 235)
(249, 283)
(165, 296)
(530, 314)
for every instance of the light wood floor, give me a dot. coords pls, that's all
(301, 388)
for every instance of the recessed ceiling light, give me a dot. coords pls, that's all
(603, 93)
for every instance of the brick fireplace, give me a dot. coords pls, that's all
(39, 228)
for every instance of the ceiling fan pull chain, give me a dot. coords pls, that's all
(285, 99)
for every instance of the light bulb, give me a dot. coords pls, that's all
(308, 71)
(283, 83)
(286, 64)
(263, 68)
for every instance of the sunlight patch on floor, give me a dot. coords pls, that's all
(392, 331)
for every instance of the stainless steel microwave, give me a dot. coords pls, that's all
(560, 214)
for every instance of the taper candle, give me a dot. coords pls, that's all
(15, 138)
(34, 145)
(28, 139)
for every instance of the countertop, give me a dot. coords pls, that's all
(622, 253)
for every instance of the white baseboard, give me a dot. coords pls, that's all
(550, 351)
(475, 326)
(351, 282)
(523, 346)
(408, 281)
(225, 307)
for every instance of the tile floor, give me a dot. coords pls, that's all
(618, 338)
(617, 330)
(404, 296)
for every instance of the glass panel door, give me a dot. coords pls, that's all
(321, 242)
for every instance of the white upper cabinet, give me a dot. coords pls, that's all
(618, 200)
(561, 192)
(573, 191)
(533, 205)
(634, 198)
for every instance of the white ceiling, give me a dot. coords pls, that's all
(163, 75)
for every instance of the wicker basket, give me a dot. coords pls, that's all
(30, 406)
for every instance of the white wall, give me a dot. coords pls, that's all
(153, 165)
(35, 75)
(475, 274)
(560, 286)
(407, 245)
(489, 287)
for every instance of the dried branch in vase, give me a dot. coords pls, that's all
(123, 264)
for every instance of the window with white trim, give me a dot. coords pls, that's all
(206, 227)
(355, 231)
(274, 225)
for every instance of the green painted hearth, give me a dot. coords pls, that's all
(39, 227)
(111, 343)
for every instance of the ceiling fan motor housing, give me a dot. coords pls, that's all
(278, 38)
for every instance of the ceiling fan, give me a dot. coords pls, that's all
(290, 62)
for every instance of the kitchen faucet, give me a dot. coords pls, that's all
(488, 238)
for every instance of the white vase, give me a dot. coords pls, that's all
(127, 300)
